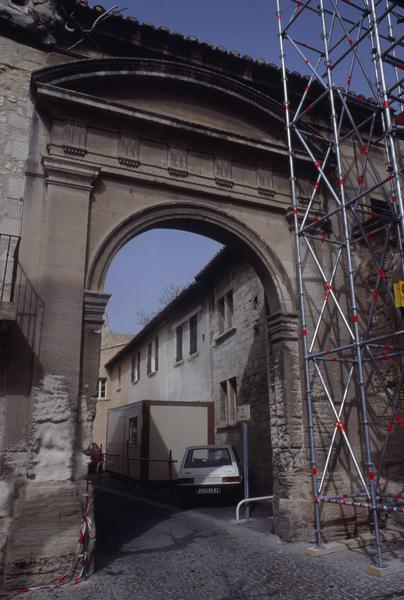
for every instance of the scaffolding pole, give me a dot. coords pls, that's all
(349, 232)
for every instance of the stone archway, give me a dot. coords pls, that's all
(102, 169)
(283, 358)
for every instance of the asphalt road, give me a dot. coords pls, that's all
(151, 552)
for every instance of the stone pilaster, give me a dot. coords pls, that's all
(94, 305)
(292, 509)
(51, 488)
(64, 246)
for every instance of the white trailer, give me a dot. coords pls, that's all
(142, 436)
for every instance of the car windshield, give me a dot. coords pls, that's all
(207, 457)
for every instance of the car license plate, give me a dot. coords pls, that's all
(208, 490)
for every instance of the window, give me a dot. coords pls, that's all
(132, 435)
(119, 376)
(193, 334)
(178, 337)
(149, 357)
(135, 368)
(102, 388)
(228, 401)
(225, 312)
(153, 356)
(200, 458)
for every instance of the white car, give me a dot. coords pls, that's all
(209, 471)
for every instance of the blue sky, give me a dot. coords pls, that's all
(145, 266)
(249, 27)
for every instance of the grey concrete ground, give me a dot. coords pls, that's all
(151, 552)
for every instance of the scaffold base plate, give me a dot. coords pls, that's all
(331, 548)
(390, 567)
(365, 539)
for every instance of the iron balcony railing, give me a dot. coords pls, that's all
(9, 246)
(17, 290)
(30, 309)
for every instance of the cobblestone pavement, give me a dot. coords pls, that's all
(150, 552)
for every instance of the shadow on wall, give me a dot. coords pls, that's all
(18, 363)
(253, 390)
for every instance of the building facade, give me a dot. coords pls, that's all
(105, 135)
(208, 344)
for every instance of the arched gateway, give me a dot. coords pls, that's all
(120, 146)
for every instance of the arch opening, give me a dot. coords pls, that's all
(212, 223)
(276, 299)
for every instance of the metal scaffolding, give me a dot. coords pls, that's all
(349, 232)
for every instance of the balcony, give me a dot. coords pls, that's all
(19, 302)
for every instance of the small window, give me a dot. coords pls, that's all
(228, 401)
(193, 334)
(178, 337)
(102, 388)
(135, 368)
(132, 436)
(119, 376)
(225, 312)
(153, 356)
(149, 357)
(156, 354)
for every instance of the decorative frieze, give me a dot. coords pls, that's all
(223, 172)
(75, 139)
(129, 150)
(177, 161)
(265, 184)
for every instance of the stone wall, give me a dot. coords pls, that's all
(17, 62)
(242, 354)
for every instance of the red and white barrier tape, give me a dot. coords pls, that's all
(80, 559)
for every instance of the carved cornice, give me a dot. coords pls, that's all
(68, 74)
(94, 305)
(69, 173)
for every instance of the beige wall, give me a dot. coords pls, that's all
(189, 380)
(111, 344)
